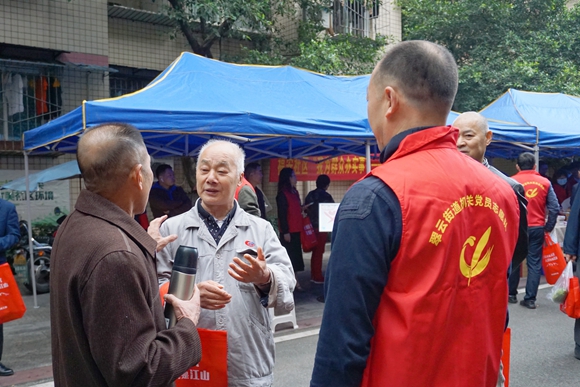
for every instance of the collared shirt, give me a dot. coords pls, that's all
(216, 229)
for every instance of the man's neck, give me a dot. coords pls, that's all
(218, 212)
(122, 201)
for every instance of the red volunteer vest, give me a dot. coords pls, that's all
(294, 211)
(536, 187)
(441, 318)
(244, 182)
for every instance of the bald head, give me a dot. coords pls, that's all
(474, 135)
(107, 154)
(425, 72)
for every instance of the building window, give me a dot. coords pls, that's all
(128, 80)
(30, 97)
(354, 16)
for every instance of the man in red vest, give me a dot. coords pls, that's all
(540, 195)
(416, 291)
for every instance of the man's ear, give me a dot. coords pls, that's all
(392, 99)
(518, 168)
(241, 177)
(136, 176)
(488, 137)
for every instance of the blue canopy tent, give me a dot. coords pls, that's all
(58, 172)
(270, 111)
(555, 117)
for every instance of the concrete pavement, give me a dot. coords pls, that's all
(27, 341)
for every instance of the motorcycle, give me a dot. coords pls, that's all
(41, 257)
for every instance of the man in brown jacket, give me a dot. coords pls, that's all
(107, 320)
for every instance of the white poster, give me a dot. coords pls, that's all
(48, 203)
(326, 214)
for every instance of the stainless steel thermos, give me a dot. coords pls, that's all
(182, 283)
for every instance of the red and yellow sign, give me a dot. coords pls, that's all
(346, 167)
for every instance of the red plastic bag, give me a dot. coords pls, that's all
(572, 304)
(11, 304)
(553, 261)
(212, 370)
(307, 236)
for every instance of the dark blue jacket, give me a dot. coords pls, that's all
(9, 228)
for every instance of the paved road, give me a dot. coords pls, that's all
(542, 345)
(542, 350)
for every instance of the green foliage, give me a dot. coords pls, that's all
(530, 45)
(340, 55)
(337, 55)
(215, 19)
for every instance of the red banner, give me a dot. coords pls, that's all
(346, 167)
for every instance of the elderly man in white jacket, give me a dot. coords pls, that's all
(236, 289)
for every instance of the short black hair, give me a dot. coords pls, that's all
(322, 181)
(426, 72)
(526, 161)
(161, 169)
(251, 168)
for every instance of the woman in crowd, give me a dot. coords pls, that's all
(290, 218)
(559, 185)
(319, 195)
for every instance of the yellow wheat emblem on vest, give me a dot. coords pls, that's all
(532, 192)
(478, 263)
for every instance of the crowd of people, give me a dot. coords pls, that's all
(410, 251)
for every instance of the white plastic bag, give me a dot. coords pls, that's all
(559, 291)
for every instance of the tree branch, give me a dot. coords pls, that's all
(186, 30)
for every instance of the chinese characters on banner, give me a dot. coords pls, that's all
(48, 203)
(346, 167)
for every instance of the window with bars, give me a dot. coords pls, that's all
(128, 80)
(29, 98)
(354, 16)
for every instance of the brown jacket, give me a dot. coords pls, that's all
(107, 320)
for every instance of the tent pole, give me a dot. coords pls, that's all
(368, 155)
(537, 150)
(29, 220)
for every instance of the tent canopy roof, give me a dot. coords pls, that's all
(58, 172)
(555, 116)
(270, 111)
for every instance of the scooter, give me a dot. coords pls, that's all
(41, 256)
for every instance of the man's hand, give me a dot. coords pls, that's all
(256, 272)
(287, 238)
(154, 233)
(570, 257)
(186, 309)
(213, 296)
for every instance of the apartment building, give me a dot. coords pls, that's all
(56, 53)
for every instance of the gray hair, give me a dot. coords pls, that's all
(240, 155)
(107, 153)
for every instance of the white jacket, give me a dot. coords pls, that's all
(251, 349)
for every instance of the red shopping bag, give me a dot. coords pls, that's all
(553, 261)
(572, 304)
(212, 370)
(307, 236)
(11, 304)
